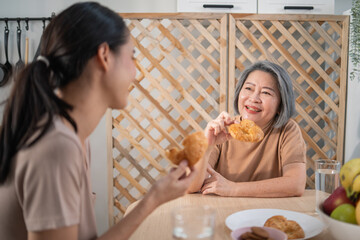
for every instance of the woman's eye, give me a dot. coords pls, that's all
(267, 93)
(247, 88)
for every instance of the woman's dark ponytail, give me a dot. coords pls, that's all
(69, 41)
(30, 109)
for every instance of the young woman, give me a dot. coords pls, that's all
(273, 167)
(86, 66)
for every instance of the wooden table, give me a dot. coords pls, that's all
(158, 225)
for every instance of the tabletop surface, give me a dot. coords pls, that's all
(159, 225)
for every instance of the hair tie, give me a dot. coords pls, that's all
(44, 60)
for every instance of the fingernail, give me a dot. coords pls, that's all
(184, 162)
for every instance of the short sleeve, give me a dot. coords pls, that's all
(48, 183)
(293, 148)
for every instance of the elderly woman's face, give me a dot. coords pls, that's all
(259, 98)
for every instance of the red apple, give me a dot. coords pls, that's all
(337, 198)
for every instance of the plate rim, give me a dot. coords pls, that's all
(279, 210)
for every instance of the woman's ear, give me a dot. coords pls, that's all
(103, 56)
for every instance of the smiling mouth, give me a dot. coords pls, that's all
(253, 109)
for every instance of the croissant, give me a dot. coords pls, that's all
(195, 146)
(246, 131)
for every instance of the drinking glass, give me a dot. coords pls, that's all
(193, 222)
(326, 178)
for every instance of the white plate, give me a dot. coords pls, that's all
(257, 217)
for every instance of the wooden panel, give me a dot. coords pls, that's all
(313, 49)
(181, 84)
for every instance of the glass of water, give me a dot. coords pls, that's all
(326, 178)
(193, 222)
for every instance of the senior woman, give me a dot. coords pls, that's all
(273, 167)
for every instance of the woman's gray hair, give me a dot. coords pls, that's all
(284, 84)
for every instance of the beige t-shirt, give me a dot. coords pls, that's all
(49, 187)
(241, 161)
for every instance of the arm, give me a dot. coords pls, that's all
(131, 221)
(291, 184)
(216, 133)
(172, 186)
(200, 167)
(121, 230)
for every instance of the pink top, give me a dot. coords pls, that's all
(49, 187)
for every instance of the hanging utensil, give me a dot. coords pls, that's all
(26, 42)
(26, 50)
(2, 73)
(37, 53)
(20, 64)
(7, 67)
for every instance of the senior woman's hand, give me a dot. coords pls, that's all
(217, 184)
(216, 130)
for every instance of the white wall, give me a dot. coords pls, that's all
(44, 8)
(352, 134)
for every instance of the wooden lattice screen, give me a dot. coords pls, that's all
(180, 86)
(187, 68)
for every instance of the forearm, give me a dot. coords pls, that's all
(201, 171)
(169, 187)
(275, 187)
(126, 227)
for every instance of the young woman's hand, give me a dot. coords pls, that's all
(173, 185)
(216, 130)
(216, 184)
